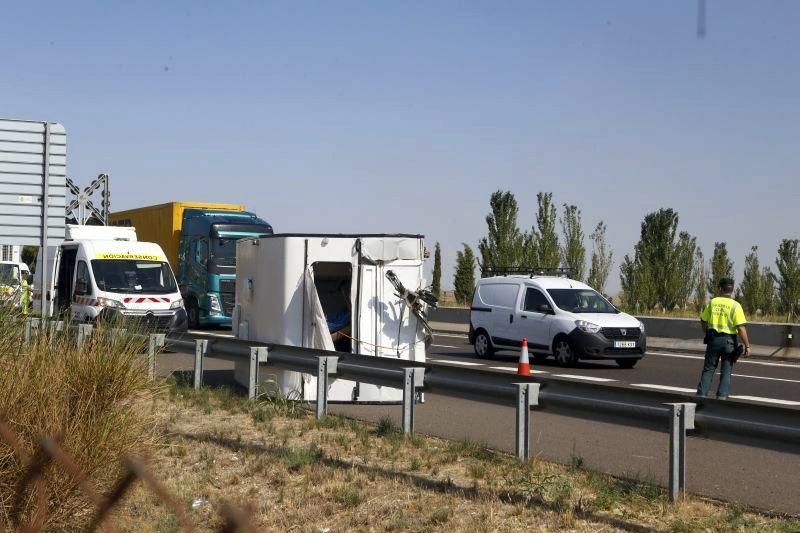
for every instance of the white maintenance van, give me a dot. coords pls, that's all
(10, 283)
(362, 294)
(104, 272)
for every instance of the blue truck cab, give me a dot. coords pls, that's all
(207, 262)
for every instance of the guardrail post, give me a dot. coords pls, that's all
(84, 330)
(55, 326)
(28, 329)
(527, 396)
(413, 377)
(156, 341)
(258, 354)
(325, 365)
(200, 347)
(681, 419)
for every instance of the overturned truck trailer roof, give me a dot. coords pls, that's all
(332, 292)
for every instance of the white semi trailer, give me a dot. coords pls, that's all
(331, 292)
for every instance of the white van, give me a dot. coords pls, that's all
(10, 283)
(558, 316)
(102, 271)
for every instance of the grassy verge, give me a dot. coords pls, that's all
(94, 399)
(340, 475)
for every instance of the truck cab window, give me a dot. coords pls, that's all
(83, 282)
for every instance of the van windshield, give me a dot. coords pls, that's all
(9, 274)
(581, 301)
(131, 276)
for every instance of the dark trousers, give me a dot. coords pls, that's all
(721, 347)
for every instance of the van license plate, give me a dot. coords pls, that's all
(624, 344)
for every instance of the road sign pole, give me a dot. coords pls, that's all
(45, 205)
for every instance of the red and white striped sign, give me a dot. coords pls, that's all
(143, 299)
(86, 300)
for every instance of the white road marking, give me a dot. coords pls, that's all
(764, 363)
(449, 362)
(464, 336)
(764, 377)
(512, 369)
(446, 346)
(680, 355)
(663, 387)
(587, 378)
(765, 400)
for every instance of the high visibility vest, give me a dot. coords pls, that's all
(723, 315)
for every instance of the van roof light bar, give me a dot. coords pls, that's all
(564, 272)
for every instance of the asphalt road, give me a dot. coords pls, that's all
(760, 381)
(767, 479)
(765, 382)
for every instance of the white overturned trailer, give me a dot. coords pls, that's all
(331, 292)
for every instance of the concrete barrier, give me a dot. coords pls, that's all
(770, 339)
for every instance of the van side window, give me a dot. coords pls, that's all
(534, 299)
(83, 283)
(499, 294)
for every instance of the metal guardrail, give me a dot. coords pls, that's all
(768, 427)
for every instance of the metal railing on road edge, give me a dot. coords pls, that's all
(770, 427)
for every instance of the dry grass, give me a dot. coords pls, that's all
(96, 399)
(340, 475)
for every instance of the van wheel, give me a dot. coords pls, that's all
(627, 363)
(483, 345)
(193, 314)
(563, 352)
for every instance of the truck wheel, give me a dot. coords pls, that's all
(563, 352)
(483, 345)
(627, 363)
(193, 314)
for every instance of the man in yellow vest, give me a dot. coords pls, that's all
(721, 320)
(25, 295)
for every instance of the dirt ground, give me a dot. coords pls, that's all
(297, 474)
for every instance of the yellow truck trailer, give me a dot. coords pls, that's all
(162, 223)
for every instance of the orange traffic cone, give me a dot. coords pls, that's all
(524, 366)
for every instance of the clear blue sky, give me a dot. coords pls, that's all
(405, 116)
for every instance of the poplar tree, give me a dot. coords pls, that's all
(544, 233)
(601, 259)
(503, 245)
(661, 271)
(464, 279)
(721, 267)
(788, 263)
(573, 251)
(436, 283)
(756, 292)
(700, 280)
